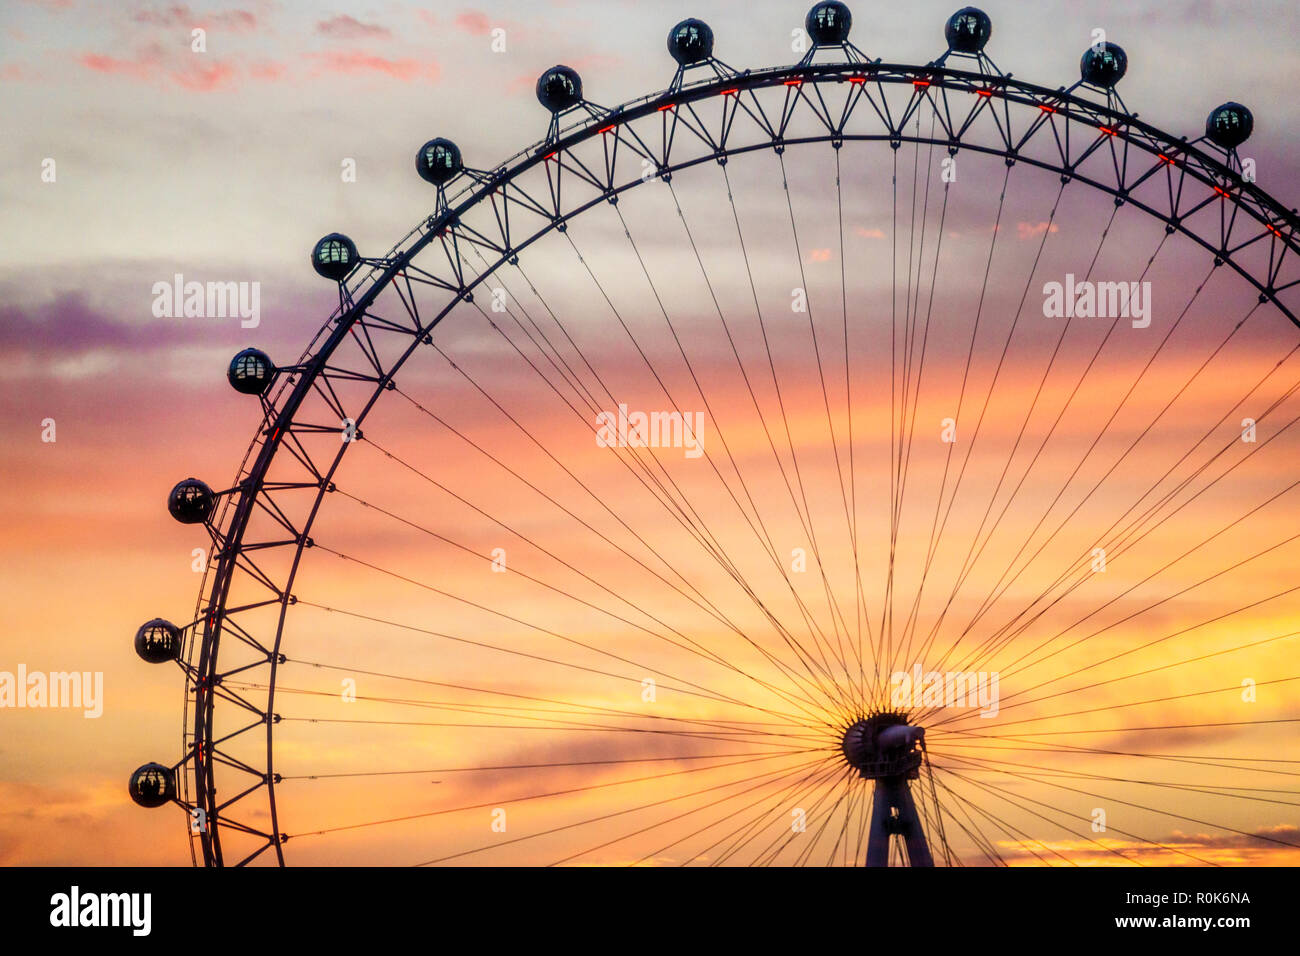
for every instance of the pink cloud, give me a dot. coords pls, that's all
(269, 70)
(353, 62)
(236, 21)
(344, 27)
(819, 255)
(16, 72)
(205, 79)
(180, 15)
(171, 16)
(473, 21)
(101, 63)
(188, 71)
(869, 233)
(1027, 230)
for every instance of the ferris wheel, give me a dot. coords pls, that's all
(836, 463)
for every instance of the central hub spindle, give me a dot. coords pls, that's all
(885, 748)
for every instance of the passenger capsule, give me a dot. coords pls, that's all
(158, 641)
(828, 22)
(250, 372)
(1103, 67)
(438, 161)
(334, 257)
(1229, 125)
(191, 502)
(559, 89)
(691, 41)
(968, 30)
(153, 785)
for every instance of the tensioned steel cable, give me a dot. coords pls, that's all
(1180, 593)
(784, 793)
(1003, 704)
(536, 627)
(1005, 795)
(673, 819)
(760, 532)
(916, 402)
(749, 830)
(968, 739)
(1019, 839)
(702, 602)
(1124, 541)
(862, 611)
(772, 851)
(694, 646)
(805, 515)
(973, 555)
(753, 395)
(732, 736)
(980, 842)
(1167, 813)
(583, 708)
(1105, 234)
(494, 647)
(970, 354)
(1207, 789)
(1235, 688)
(838, 693)
(535, 796)
(685, 520)
(910, 623)
(655, 803)
(1244, 607)
(826, 403)
(988, 603)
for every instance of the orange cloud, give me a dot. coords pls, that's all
(473, 21)
(194, 74)
(354, 62)
(1027, 230)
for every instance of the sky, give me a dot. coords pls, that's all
(129, 157)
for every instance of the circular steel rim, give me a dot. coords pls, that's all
(279, 411)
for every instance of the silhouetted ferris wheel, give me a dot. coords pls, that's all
(715, 481)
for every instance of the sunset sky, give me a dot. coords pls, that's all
(226, 165)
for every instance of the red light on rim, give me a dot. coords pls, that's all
(983, 92)
(667, 106)
(1107, 130)
(731, 92)
(1046, 109)
(920, 84)
(857, 79)
(1222, 192)
(794, 82)
(1165, 158)
(606, 129)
